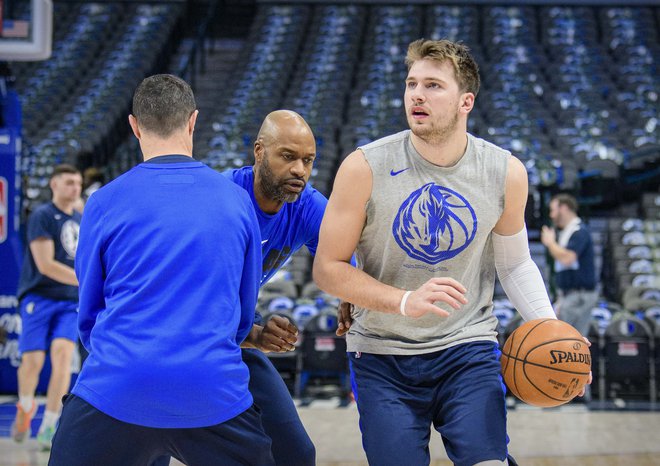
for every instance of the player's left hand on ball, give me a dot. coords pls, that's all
(584, 389)
(279, 335)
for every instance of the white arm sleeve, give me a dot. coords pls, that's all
(520, 277)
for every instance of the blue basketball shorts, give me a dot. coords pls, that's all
(458, 390)
(43, 320)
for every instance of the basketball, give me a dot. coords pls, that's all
(545, 362)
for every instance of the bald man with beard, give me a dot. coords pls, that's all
(289, 212)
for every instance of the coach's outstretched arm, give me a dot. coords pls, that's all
(342, 225)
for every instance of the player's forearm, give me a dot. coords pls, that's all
(341, 279)
(520, 277)
(59, 272)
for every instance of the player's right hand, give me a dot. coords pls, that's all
(437, 289)
(278, 335)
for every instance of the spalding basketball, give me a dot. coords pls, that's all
(545, 362)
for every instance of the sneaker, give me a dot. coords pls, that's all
(45, 438)
(20, 428)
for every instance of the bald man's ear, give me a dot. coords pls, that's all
(258, 152)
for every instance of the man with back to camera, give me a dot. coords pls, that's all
(432, 214)
(48, 295)
(169, 264)
(573, 253)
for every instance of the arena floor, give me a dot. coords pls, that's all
(568, 436)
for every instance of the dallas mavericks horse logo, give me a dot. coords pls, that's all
(434, 224)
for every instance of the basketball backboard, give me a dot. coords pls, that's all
(26, 30)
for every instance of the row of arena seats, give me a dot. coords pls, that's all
(591, 126)
(341, 67)
(601, 107)
(301, 310)
(633, 253)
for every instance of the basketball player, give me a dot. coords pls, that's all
(48, 294)
(290, 213)
(432, 214)
(169, 264)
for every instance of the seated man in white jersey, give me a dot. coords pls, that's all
(432, 213)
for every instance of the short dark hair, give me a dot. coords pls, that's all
(567, 200)
(456, 53)
(64, 168)
(163, 104)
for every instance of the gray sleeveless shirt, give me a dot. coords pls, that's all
(427, 221)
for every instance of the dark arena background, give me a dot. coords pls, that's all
(570, 87)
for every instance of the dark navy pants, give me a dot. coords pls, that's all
(458, 390)
(87, 436)
(291, 446)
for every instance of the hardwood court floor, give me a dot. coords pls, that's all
(568, 436)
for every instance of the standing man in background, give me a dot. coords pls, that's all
(573, 252)
(169, 265)
(48, 295)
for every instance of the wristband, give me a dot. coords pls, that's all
(402, 307)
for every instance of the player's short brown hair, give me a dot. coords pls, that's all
(465, 67)
(62, 169)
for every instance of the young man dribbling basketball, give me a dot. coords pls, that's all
(432, 213)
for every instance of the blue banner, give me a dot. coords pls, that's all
(11, 248)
